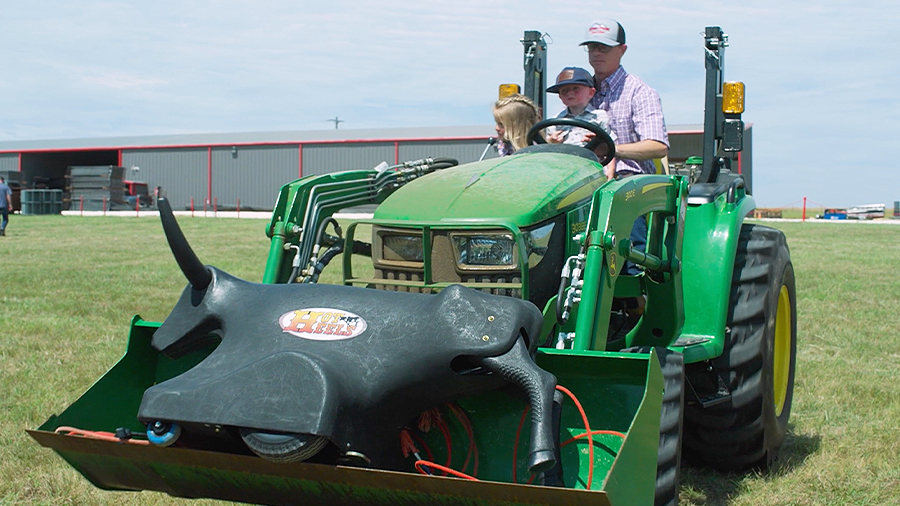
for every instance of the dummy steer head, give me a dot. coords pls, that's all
(352, 365)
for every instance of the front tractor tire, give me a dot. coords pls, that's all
(757, 365)
(668, 459)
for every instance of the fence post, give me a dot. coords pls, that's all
(804, 209)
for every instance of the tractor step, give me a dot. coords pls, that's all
(705, 387)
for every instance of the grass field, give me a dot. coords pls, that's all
(69, 286)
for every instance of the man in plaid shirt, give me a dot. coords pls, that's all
(634, 107)
(636, 117)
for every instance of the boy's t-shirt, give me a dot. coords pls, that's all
(575, 135)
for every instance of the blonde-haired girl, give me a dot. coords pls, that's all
(515, 115)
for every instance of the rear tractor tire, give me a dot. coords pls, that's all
(758, 362)
(283, 448)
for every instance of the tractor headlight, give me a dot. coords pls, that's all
(485, 251)
(498, 250)
(401, 247)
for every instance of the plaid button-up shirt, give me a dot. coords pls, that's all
(635, 111)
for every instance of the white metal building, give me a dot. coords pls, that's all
(247, 169)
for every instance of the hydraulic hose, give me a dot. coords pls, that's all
(560, 299)
(326, 257)
(320, 234)
(314, 266)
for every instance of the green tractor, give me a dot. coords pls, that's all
(487, 346)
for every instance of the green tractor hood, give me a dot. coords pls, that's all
(523, 189)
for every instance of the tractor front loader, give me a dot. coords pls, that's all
(486, 344)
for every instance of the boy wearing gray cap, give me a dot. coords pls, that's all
(575, 87)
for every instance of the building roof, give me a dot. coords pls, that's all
(244, 138)
(283, 137)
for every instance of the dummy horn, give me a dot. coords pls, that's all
(195, 272)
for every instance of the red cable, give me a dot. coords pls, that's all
(420, 463)
(468, 429)
(467, 426)
(425, 448)
(516, 441)
(587, 429)
(446, 432)
(102, 436)
(587, 432)
(406, 443)
(426, 419)
(432, 418)
(593, 433)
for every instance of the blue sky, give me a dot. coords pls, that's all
(820, 78)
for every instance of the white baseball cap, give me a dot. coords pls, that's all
(605, 31)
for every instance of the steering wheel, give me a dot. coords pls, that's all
(601, 138)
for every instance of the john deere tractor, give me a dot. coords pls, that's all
(485, 346)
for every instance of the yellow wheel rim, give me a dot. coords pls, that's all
(781, 360)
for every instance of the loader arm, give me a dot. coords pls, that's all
(606, 246)
(304, 205)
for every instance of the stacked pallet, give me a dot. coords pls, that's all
(41, 201)
(96, 187)
(766, 213)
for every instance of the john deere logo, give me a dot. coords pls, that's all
(322, 324)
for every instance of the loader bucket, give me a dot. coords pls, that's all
(618, 392)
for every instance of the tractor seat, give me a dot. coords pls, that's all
(704, 193)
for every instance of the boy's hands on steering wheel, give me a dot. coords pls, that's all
(600, 143)
(558, 136)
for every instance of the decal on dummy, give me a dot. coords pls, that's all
(322, 324)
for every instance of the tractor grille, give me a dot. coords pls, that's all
(493, 278)
(473, 281)
(398, 259)
(400, 275)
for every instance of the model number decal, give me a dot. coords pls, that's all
(322, 324)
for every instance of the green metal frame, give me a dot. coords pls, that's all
(425, 228)
(614, 208)
(293, 202)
